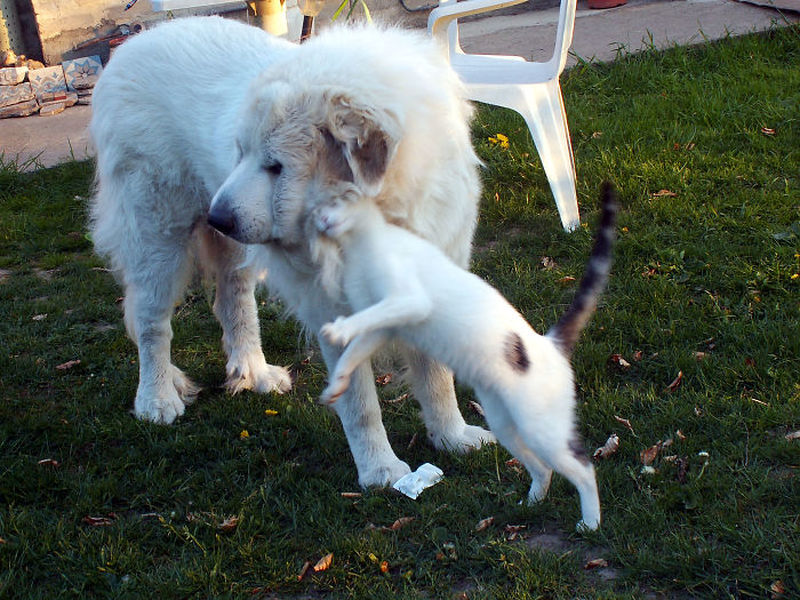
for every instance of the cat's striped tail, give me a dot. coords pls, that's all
(565, 333)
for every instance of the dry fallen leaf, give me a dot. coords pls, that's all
(477, 408)
(664, 194)
(400, 523)
(637, 356)
(768, 131)
(618, 361)
(384, 566)
(596, 563)
(699, 356)
(68, 365)
(513, 531)
(484, 523)
(98, 521)
(303, 570)
(609, 448)
(323, 563)
(679, 434)
(351, 494)
(566, 279)
(792, 436)
(48, 462)
(229, 524)
(384, 379)
(399, 398)
(777, 590)
(41, 317)
(648, 455)
(2, 541)
(548, 263)
(514, 465)
(675, 382)
(626, 423)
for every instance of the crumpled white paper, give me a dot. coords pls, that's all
(424, 477)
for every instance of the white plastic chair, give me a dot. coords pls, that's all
(530, 88)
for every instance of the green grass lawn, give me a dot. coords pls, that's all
(704, 146)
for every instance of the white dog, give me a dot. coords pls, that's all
(206, 120)
(403, 286)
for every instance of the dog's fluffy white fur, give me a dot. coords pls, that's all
(403, 287)
(206, 120)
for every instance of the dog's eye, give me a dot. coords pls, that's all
(274, 168)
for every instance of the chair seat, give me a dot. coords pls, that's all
(497, 69)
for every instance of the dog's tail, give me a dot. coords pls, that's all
(565, 333)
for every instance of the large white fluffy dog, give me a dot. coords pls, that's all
(206, 120)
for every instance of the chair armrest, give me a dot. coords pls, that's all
(441, 16)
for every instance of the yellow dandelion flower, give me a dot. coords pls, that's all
(499, 138)
(244, 434)
(796, 276)
(270, 413)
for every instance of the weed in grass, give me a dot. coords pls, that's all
(706, 282)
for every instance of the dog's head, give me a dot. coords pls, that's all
(294, 144)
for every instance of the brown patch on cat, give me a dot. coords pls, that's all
(516, 355)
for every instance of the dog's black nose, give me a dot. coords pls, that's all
(222, 220)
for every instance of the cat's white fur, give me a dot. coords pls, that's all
(402, 286)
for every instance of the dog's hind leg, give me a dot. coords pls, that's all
(235, 308)
(432, 385)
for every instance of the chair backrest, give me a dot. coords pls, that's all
(443, 24)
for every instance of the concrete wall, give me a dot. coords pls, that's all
(64, 24)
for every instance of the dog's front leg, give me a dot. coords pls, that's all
(360, 414)
(235, 308)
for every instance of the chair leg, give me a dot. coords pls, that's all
(544, 113)
(542, 107)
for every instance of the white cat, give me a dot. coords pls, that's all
(404, 287)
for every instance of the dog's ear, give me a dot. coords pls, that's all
(367, 137)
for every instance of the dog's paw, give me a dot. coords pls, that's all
(168, 402)
(468, 438)
(161, 410)
(384, 475)
(336, 332)
(253, 373)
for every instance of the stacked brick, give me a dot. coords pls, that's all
(28, 87)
